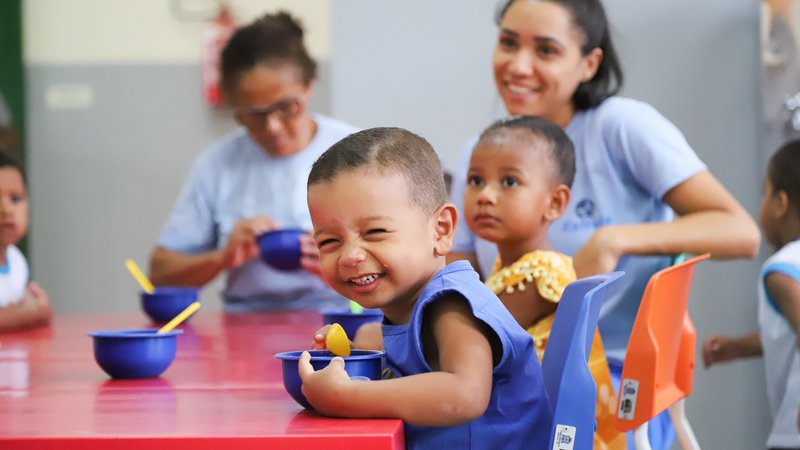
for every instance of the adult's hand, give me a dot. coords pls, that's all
(242, 245)
(598, 255)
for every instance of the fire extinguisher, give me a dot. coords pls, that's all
(215, 36)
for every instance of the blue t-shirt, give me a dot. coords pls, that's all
(235, 179)
(519, 413)
(628, 156)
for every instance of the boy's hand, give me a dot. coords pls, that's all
(242, 245)
(320, 344)
(309, 258)
(718, 349)
(319, 338)
(323, 387)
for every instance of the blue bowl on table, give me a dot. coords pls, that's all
(281, 248)
(136, 353)
(351, 321)
(360, 363)
(167, 302)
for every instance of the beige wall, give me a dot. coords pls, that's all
(76, 32)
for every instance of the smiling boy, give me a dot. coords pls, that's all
(466, 375)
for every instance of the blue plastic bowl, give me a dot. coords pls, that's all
(281, 248)
(360, 363)
(139, 353)
(167, 302)
(351, 321)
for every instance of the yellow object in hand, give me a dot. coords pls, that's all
(336, 340)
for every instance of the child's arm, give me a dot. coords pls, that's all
(369, 336)
(456, 392)
(718, 349)
(527, 306)
(785, 290)
(32, 311)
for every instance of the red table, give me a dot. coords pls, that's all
(223, 390)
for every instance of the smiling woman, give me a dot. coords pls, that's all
(640, 192)
(253, 180)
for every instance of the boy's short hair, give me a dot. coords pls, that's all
(560, 148)
(391, 149)
(8, 159)
(783, 171)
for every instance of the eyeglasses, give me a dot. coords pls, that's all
(256, 116)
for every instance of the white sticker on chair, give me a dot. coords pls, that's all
(627, 401)
(565, 437)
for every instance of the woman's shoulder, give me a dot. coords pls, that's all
(333, 126)
(622, 110)
(626, 121)
(232, 149)
(226, 144)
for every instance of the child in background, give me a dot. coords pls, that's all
(778, 301)
(464, 373)
(518, 183)
(22, 304)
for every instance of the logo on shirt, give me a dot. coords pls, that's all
(585, 209)
(588, 217)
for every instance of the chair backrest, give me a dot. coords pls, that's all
(659, 360)
(567, 379)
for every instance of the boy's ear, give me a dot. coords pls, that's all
(444, 227)
(559, 197)
(782, 203)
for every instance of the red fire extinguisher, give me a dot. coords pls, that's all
(215, 36)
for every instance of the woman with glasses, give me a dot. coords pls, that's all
(254, 180)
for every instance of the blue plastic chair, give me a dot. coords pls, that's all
(567, 379)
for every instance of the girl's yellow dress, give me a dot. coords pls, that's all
(552, 272)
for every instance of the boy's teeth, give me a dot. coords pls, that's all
(366, 279)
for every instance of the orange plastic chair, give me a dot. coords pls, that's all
(657, 373)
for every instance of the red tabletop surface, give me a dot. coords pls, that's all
(224, 390)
